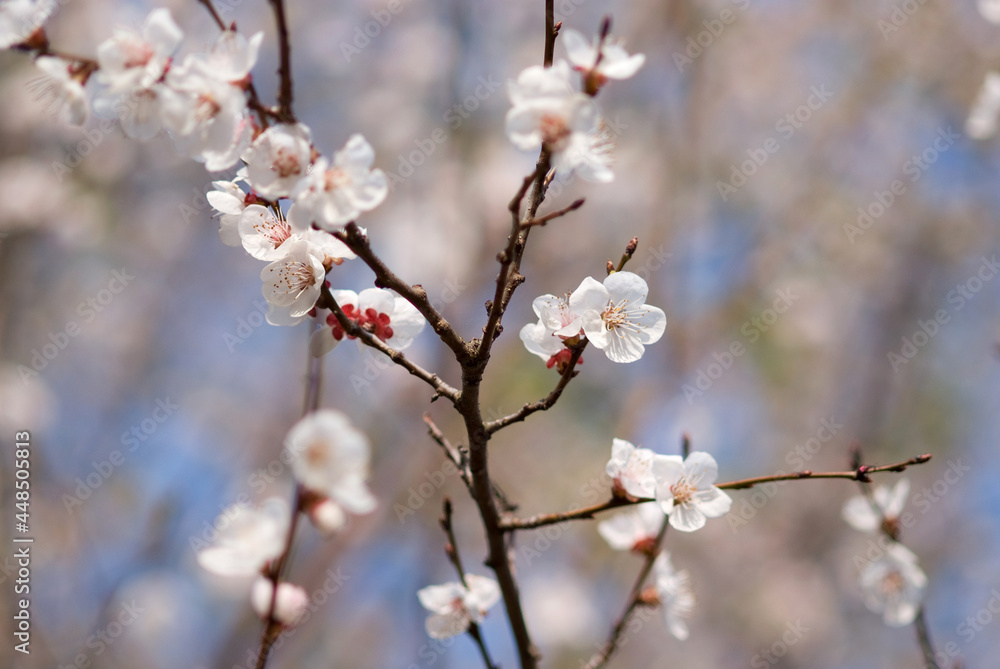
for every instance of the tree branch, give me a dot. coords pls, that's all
(542, 220)
(415, 295)
(368, 339)
(285, 67)
(601, 657)
(546, 402)
(588, 513)
(272, 628)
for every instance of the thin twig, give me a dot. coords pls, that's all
(587, 513)
(889, 527)
(455, 455)
(368, 339)
(272, 627)
(542, 220)
(546, 402)
(415, 295)
(601, 658)
(451, 549)
(285, 66)
(924, 639)
(215, 14)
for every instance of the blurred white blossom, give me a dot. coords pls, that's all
(894, 586)
(332, 459)
(249, 538)
(455, 607)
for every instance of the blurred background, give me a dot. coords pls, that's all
(757, 152)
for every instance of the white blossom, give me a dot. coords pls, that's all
(278, 159)
(555, 324)
(63, 89)
(290, 604)
(232, 56)
(633, 530)
(327, 516)
(614, 315)
(205, 115)
(386, 315)
(263, 234)
(132, 66)
(684, 490)
(20, 18)
(631, 469)
(249, 538)
(894, 586)
(673, 588)
(332, 459)
(982, 120)
(990, 10)
(334, 194)
(859, 513)
(455, 607)
(295, 280)
(547, 110)
(229, 201)
(615, 61)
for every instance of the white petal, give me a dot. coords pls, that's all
(441, 598)
(687, 518)
(443, 626)
(713, 502)
(700, 469)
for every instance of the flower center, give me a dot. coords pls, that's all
(373, 321)
(276, 231)
(893, 583)
(619, 316)
(137, 53)
(336, 178)
(315, 454)
(682, 491)
(208, 107)
(297, 277)
(286, 163)
(554, 130)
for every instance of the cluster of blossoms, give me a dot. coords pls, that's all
(330, 460)
(613, 316)
(201, 101)
(685, 498)
(554, 109)
(894, 584)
